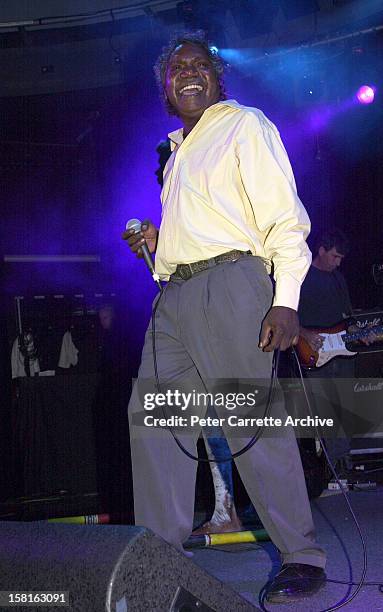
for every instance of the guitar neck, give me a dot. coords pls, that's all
(363, 333)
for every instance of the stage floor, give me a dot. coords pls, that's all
(246, 568)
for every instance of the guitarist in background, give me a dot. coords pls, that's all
(324, 302)
(325, 299)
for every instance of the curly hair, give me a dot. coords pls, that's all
(197, 37)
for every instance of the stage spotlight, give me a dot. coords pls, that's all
(366, 94)
(233, 56)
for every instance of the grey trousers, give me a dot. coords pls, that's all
(208, 328)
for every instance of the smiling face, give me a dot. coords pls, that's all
(191, 84)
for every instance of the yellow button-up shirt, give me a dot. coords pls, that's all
(229, 185)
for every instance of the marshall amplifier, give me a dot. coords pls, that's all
(364, 319)
(369, 364)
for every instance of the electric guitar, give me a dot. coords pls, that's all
(334, 344)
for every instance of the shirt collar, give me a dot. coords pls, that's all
(176, 137)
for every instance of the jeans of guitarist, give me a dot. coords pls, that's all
(324, 302)
(338, 400)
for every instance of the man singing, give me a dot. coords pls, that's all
(230, 212)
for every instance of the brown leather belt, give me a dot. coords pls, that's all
(186, 271)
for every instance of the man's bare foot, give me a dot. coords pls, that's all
(221, 522)
(215, 527)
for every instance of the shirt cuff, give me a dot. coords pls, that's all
(287, 292)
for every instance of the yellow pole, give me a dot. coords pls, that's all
(91, 519)
(232, 537)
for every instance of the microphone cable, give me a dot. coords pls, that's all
(361, 583)
(250, 444)
(270, 398)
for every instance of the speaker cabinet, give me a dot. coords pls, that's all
(107, 568)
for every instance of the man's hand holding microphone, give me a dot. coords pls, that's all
(142, 240)
(137, 237)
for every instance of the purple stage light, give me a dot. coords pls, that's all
(366, 94)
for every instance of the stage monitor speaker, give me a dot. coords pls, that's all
(107, 568)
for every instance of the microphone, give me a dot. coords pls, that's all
(135, 224)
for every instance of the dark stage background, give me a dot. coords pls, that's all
(75, 166)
